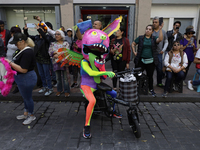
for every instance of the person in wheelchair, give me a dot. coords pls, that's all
(175, 63)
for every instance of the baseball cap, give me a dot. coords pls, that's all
(18, 37)
(69, 29)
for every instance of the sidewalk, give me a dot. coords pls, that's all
(76, 95)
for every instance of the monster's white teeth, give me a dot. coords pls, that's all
(94, 45)
(100, 45)
(101, 56)
(97, 45)
(105, 49)
(97, 60)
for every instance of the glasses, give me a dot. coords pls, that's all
(176, 44)
(56, 34)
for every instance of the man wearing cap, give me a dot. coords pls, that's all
(174, 35)
(5, 35)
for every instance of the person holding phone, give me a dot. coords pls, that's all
(189, 46)
(173, 35)
(161, 48)
(147, 55)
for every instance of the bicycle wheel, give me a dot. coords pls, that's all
(136, 129)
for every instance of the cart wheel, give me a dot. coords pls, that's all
(136, 129)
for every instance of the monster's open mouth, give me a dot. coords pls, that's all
(97, 49)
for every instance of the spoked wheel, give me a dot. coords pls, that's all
(134, 124)
(136, 129)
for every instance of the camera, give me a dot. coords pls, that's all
(160, 21)
(34, 17)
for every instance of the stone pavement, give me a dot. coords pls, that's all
(164, 126)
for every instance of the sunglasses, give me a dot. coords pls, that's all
(190, 33)
(56, 34)
(176, 44)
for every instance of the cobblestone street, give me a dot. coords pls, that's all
(59, 126)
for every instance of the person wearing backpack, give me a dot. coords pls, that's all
(175, 62)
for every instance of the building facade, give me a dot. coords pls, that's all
(136, 13)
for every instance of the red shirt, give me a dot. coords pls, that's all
(3, 33)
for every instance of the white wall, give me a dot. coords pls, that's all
(176, 11)
(104, 1)
(29, 1)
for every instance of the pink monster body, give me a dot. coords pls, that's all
(97, 42)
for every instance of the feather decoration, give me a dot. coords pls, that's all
(70, 57)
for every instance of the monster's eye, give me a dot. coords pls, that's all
(94, 33)
(103, 37)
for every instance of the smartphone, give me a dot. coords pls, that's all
(34, 17)
(160, 21)
(30, 25)
(199, 41)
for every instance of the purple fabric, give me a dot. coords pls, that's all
(189, 49)
(88, 80)
(56, 67)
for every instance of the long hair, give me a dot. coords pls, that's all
(30, 42)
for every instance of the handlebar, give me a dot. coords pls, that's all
(133, 70)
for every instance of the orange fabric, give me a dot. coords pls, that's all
(92, 101)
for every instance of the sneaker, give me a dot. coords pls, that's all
(164, 95)
(48, 92)
(42, 90)
(86, 132)
(151, 92)
(175, 87)
(58, 93)
(67, 94)
(190, 85)
(184, 83)
(29, 120)
(74, 85)
(16, 90)
(20, 117)
(117, 115)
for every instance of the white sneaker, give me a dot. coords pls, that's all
(20, 117)
(42, 90)
(49, 92)
(29, 120)
(184, 83)
(190, 85)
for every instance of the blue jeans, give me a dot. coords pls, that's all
(178, 78)
(61, 76)
(196, 82)
(159, 68)
(53, 74)
(26, 83)
(44, 72)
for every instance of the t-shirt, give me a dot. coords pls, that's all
(198, 54)
(25, 59)
(119, 52)
(147, 48)
(161, 44)
(3, 37)
(189, 49)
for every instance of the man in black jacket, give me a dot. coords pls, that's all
(5, 35)
(174, 35)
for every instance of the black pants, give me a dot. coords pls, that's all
(149, 68)
(117, 66)
(187, 68)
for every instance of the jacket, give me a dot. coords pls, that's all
(140, 49)
(126, 49)
(41, 44)
(2, 51)
(171, 39)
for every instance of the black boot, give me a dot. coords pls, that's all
(16, 90)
